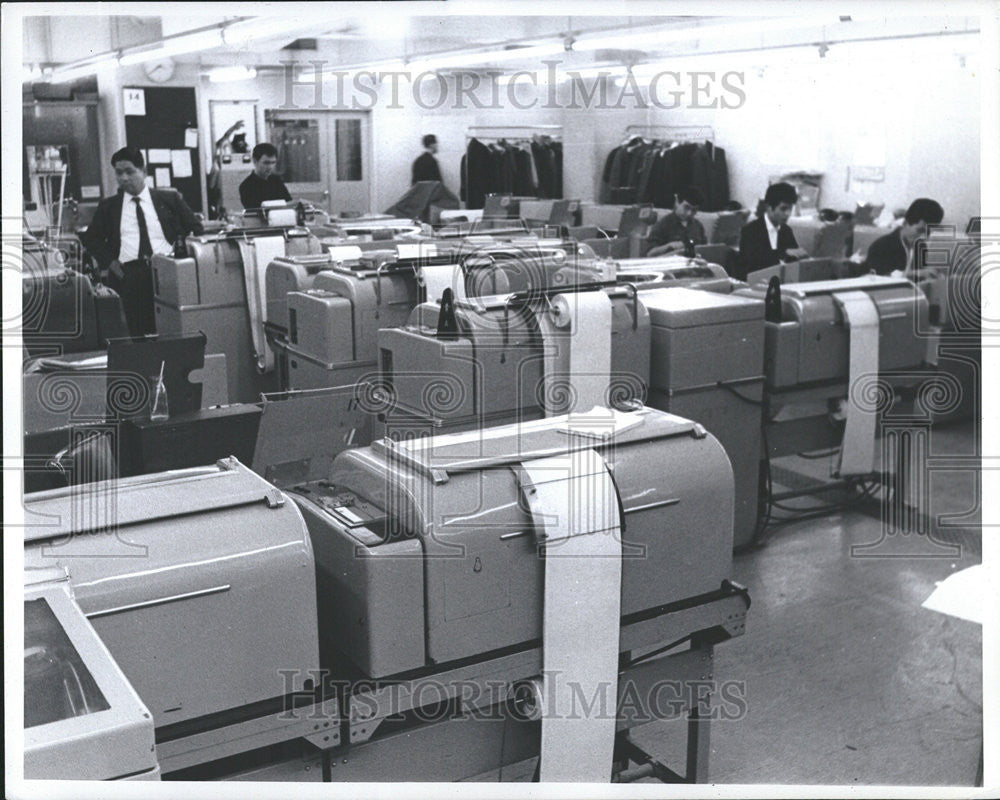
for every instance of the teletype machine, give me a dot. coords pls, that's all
(499, 358)
(63, 311)
(706, 364)
(799, 369)
(824, 337)
(711, 357)
(218, 288)
(411, 571)
(82, 718)
(528, 355)
(334, 308)
(654, 273)
(200, 585)
(842, 359)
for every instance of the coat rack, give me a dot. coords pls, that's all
(496, 132)
(673, 133)
(513, 134)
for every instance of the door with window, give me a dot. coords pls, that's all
(324, 156)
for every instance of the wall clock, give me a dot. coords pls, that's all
(162, 69)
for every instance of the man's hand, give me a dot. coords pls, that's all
(664, 249)
(796, 254)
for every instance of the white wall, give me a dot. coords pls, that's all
(923, 122)
(919, 115)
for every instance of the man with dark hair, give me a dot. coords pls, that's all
(425, 167)
(131, 227)
(679, 230)
(263, 183)
(894, 251)
(768, 240)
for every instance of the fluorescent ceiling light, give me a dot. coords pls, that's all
(543, 76)
(465, 59)
(230, 74)
(910, 48)
(238, 33)
(174, 46)
(528, 77)
(329, 73)
(630, 40)
(430, 63)
(608, 71)
(902, 51)
(63, 75)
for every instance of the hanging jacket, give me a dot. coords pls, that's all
(476, 173)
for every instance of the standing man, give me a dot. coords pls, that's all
(676, 230)
(894, 251)
(425, 167)
(263, 183)
(131, 227)
(768, 240)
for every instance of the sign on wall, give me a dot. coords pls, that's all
(134, 101)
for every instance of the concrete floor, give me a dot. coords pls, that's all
(848, 680)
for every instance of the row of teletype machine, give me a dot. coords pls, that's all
(426, 503)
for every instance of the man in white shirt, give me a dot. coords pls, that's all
(131, 227)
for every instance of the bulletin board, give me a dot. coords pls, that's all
(163, 122)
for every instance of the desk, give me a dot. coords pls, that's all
(141, 447)
(56, 399)
(193, 439)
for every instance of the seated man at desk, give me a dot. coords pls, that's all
(129, 228)
(676, 230)
(263, 183)
(894, 251)
(768, 240)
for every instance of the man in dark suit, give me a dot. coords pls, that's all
(131, 227)
(895, 250)
(425, 166)
(768, 240)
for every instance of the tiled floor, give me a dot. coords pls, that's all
(848, 679)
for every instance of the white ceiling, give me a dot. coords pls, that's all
(64, 39)
(388, 31)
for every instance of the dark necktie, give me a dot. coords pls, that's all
(145, 248)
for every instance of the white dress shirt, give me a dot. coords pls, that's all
(772, 232)
(130, 227)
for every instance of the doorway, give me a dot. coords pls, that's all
(324, 157)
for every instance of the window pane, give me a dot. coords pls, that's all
(348, 149)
